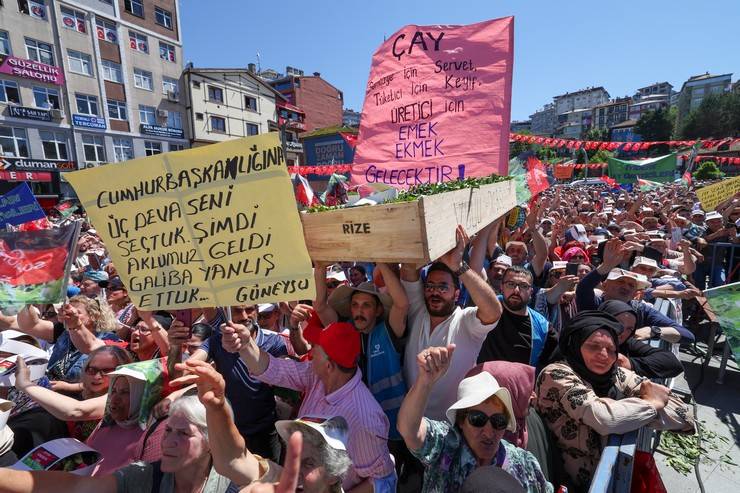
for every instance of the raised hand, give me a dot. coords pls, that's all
(453, 258)
(433, 362)
(234, 336)
(211, 385)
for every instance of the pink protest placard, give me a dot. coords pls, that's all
(437, 105)
(28, 69)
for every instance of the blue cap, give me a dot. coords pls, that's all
(72, 291)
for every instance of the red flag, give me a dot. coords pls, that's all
(350, 139)
(609, 181)
(536, 176)
(304, 194)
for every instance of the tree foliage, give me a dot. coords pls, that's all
(597, 134)
(708, 170)
(655, 125)
(717, 116)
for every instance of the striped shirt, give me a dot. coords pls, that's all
(368, 426)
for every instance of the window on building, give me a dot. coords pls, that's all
(174, 119)
(33, 8)
(117, 110)
(215, 94)
(151, 148)
(112, 71)
(253, 129)
(196, 84)
(218, 124)
(94, 148)
(163, 17)
(199, 116)
(250, 103)
(14, 142)
(176, 147)
(135, 7)
(169, 85)
(143, 79)
(106, 30)
(4, 43)
(9, 92)
(166, 51)
(73, 19)
(79, 63)
(147, 114)
(87, 105)
(123, 149)
(138, 42)
(54, 144)
(39, 51)
(46, 98)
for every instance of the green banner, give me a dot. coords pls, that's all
(725, 303)
(659, 169)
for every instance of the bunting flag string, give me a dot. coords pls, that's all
(719, 159)
(323, 169)
(592, 145)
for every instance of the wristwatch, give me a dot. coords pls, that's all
(655, 332)
(464, 267)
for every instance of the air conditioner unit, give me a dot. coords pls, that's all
(162, 113)
(173, 96)
(57, 114)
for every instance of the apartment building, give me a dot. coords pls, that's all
(84, 83)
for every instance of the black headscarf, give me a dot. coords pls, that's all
(616, 307)
(572, 337)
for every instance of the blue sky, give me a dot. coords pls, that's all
(558, 46)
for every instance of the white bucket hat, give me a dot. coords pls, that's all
(334, 430)
(642, 281)
(476, 389)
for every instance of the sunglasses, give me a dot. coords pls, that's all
(92, 371)
(478, 419)
(332, 285)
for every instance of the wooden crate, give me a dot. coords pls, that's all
(414, 232)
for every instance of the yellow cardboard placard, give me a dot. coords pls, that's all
(711, 196)
(210, 226)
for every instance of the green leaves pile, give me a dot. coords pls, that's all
(682, 450)
(414, 193)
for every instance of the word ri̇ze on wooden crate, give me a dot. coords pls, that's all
(410, 232)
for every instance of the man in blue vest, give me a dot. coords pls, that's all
(522, 334)
(382, 338)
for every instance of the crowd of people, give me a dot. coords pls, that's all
(506, 363)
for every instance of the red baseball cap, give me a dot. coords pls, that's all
(341, 342)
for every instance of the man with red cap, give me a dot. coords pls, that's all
(332, 386)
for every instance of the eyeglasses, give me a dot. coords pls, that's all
(332, 285)
(478, 419)
(431, 287)
(143, 330)
(556, 273)
(92, 371)
(593, 347)
(523, 286)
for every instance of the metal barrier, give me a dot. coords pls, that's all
(732, 267)
(614, 472)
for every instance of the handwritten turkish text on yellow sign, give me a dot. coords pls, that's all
(211, 226)
(712, 195)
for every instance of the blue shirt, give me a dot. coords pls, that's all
(253, 402)
(66, 362)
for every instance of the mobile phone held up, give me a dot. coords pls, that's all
(185, 317)
(572, 269)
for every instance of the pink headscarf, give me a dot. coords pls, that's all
(518, 379)
(572, 252)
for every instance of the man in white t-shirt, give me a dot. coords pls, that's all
(435, 320)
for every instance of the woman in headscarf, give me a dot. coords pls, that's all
(472, 436)
(123, 433)
(638, 355)
(94, 385)
(588, 397)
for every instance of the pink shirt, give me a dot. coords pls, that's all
(368, 426)
(120, 446)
